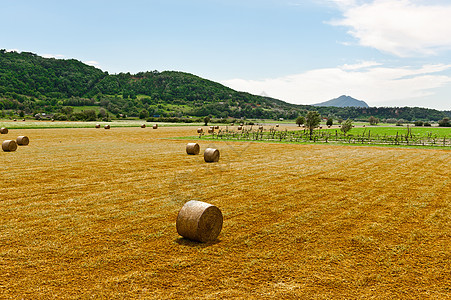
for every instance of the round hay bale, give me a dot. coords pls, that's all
(107, 126)
(15, 120)
(211, 130)
(231, 124)
(22, 140)
(240, 127)
(97, 125)
(155, 126)
(200, 130)
(277, 125)
(23, 120)
(211, 155)
(216, 127)
(199, 221)
(9, 146)
(260, 127)
(3, 130)
(143, 125)
(192, 148)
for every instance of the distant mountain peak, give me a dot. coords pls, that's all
(343, 101)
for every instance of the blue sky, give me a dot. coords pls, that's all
(385, 52)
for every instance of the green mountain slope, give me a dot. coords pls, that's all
(32, 84)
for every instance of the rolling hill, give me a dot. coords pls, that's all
(31, 84)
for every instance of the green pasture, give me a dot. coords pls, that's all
(412, 137)
(394, 130)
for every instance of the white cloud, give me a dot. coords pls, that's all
(362, 65)
(92, 63)
(400, 27)
(372, 82)
(57, 56)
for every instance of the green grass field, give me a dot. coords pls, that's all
(392, 130)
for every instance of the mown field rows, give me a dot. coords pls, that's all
(90, 213)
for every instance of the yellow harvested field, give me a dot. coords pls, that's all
(90, 213)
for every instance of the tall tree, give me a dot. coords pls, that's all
(312, 121)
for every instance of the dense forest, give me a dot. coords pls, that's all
(31, 85)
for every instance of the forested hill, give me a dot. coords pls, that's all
(33, 84)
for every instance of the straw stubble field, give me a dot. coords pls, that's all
(90, 213)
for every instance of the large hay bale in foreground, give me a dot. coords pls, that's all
(211, 155)
(107, 126)
(3, 130)
(9, 146)
(199, 221)
(22, 140)
(192, 148)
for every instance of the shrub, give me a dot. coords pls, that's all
(373, 120)
(347, 125)
(444, 123)
(418, 123)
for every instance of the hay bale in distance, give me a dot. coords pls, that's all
(107, 126)
(277, 125)
(9, 146)
(155, 126)
(97, 125)
(211, 130)
(3, 130)
(22, 140)
(199, 221)
(211, 155)
(200, 130)
(143, 125)
(240, 127)
(260, 127)
(192, 148)
(216, 127)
